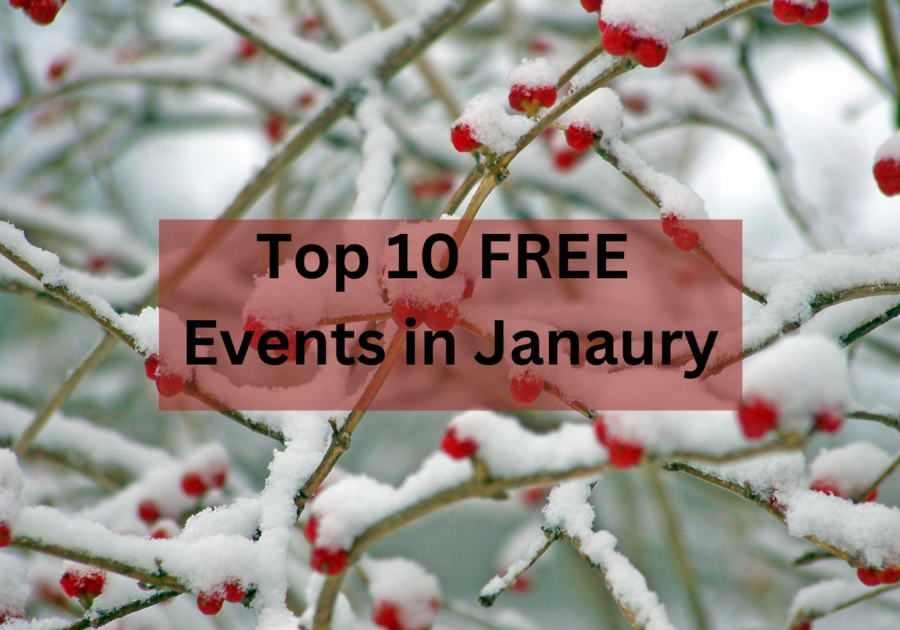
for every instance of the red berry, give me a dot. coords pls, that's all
(220, 478)
(825, 488)
(565, 159)
(650, 53)
(618, 40)
(623, 454)
(5, 534)
(871, 496)
(403, 310)
(545, 95)
(686, 240)
(887, 175)
(592, 6)
(151, 366)
(210, 603)
(255, 326)
(234, 593)
(193, 485)
(387, 615)
(806, 625)
(149, 512)
(525, 389)
(671, 225)
(442, 317)
(469, 290)
(19, 4)
(58, 68)
(456, 447)
(868, 577)
(600, 430)
(579, 138)
(757, 417)
(276, 125)
(159, 533)
(522, 585)
(71, 583)
(433, 188)
(705, 75)
(828, 422)
(534, 496)
(247, 49)
(43, 12)
(328, 561)
(816, 15)
(463, 139)
(889, 575)
(311, 530)
(169, 385)
(786, 12)
(94, 582)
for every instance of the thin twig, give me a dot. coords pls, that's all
(62, 393)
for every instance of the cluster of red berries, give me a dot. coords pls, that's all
(622, 454)
(167, 383)
(620, 41)
(887, 176)
(529, 100)
(458, 447)
(871, 577)
(323, 559)
(788, 12)
(195, 484)
(41, 12)
(682, 237)
(210, 602)
(258, 329)
(5, 534)
(388, 615)
(77, 583)
(758, 416)
(831, 489)
(409, 315)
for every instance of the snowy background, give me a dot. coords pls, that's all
(156, 114)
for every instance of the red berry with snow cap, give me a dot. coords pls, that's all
(579, 137)
(649, 52)
(463, 138)
(887, 176)
(815, 15)
(328, 561)
(757, 417)
(406, 314)
(889, 575)
(442, 317)
(210, 603)
(234, 592)
(71, 584)
(623, 454)
(617, 40)
(43, 12)
(94, 582)
(786, 12)
(828, 422)
(671, 225)
(149, 512)
(825, 487)
(256, 327)
(169, 385)
(526, 388)
(457, 447)
(193, 485)
(387, 615)
(530, 99)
